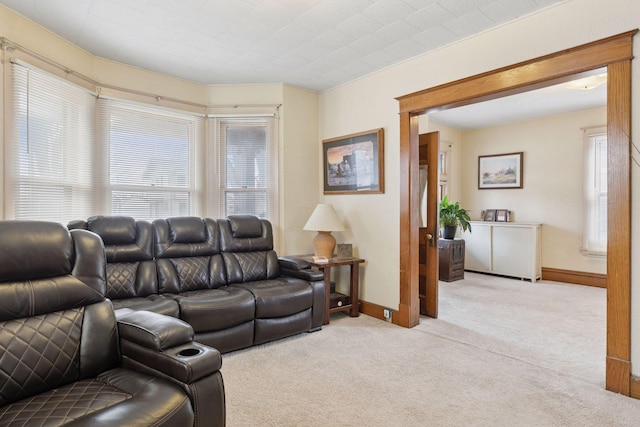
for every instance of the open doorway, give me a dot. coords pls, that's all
(615, 53)
(534, 321)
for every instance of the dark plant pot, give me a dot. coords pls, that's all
(449, 231)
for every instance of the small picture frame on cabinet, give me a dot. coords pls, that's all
(490, 215)
(501, 215)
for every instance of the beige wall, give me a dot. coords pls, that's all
(552, 193)
(369, 102)
(299, 170)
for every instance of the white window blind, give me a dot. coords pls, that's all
(248, 171)
(595, 192)
(50, 148)
(151, 155)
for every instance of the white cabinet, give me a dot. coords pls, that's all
(505, 248)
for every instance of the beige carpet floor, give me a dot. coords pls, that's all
(502, 353)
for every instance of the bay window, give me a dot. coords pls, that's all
(72, 154)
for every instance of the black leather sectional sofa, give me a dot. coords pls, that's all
(222, 276)
(112, 321)
(66, 360)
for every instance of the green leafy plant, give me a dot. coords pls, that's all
(452, 215)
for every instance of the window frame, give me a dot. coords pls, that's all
(33, 87)
(220, 190)
(594, 190)
(195, 146)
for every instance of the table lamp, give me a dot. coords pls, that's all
(324, 220)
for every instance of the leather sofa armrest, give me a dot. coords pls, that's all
(165, 344)
(299, 268)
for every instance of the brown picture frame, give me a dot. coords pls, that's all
(501, 215)
(490, 215)
(344, 250)
(354, 164)
(500, 171)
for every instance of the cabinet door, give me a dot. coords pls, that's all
(514, 251)
(478, 248)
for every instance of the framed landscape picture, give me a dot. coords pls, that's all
(354, 164)
(500, 171)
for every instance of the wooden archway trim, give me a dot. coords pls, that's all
(615, 53)
(521, 77)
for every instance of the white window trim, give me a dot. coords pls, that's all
(590, 244)
(216, 156)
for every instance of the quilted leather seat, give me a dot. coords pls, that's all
(284, 305)
(131, 272)
(191, 271)
(60, 362)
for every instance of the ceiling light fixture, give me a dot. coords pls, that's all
(587, 83)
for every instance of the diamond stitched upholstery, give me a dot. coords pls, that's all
(253, 265)
(59, 356)
(121, 279)
(63, 405)
(51, 340)
(193, 273)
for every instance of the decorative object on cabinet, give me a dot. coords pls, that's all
(489, 215)
(450, 260)
(354, 164)
(500, 171)
(501, 215)
(504, 248)
(452, 216)
(324, 220)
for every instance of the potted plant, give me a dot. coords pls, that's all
(452, 216)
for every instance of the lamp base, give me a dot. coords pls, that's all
(324, 244)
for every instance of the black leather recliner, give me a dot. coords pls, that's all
(132, 281)
(65, 360)
(284, 305)
(191, 271)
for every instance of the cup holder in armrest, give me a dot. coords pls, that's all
(189, 352)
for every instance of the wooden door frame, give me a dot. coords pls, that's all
(616, 54)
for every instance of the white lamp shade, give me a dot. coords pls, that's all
(324, 218)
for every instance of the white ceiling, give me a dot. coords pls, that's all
(317, 44)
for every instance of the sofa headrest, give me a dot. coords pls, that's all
(187, 230)
(245, 226)
(34, 250)
(239, 233)
(185, 236)
(114, 230)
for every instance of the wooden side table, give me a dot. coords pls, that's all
(325, 267)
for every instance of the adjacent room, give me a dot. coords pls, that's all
(554, 128)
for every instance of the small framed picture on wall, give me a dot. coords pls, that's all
(500, 171)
